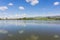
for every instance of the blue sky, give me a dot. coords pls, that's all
(29, 8)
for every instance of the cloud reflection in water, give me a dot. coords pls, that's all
(3, 31)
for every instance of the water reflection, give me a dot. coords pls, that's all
(2, 31)
(29, 30)
(56, 36)
(21, 31)
(26, 22)
(12, 22)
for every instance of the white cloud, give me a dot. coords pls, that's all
(21, 8)
(24, 15)
(14, 16)
(28, 0)
(33, 2)
(56, 3)
(3, 8)
(20, 15)
(10, 4)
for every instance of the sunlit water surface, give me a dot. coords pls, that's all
(29, 30)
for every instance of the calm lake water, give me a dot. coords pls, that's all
(29, 30)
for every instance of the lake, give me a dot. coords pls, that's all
(29, 30)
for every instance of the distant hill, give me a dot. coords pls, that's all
(41, 18)
(34, 18)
